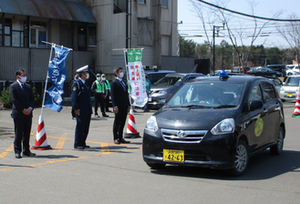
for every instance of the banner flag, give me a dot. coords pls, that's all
(136, 80)
(57, 73)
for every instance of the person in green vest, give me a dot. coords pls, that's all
(99, 89)
(148, 89)
(107, 85)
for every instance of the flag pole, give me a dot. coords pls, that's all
(46, 81)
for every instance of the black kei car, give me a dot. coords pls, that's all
(216, 123)
(265, 72)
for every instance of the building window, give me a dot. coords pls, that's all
(142, 1)
(164, 3)
(82, 38)
(119, 6)
(6, 32)
(38, 34)
(18, 34)
(92, 36)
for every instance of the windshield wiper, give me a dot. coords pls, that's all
(224, 106)
(195, 106)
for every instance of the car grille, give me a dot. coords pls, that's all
(183, 136)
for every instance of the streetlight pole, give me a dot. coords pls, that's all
(214, 59)
(214, 36)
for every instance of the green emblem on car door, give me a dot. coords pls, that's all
(259, 125)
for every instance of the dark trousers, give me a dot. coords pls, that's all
(106, 102)
(99, 98)
(22, 133)
(119, 123)
(73, 112)
(82, 129)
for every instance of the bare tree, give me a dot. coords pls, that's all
(291, 33)
(235, 35)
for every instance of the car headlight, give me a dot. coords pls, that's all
(224, 127)
(151, 124)
(162, 92)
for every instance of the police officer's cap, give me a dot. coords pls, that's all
(103, 75)
(98, 75)
(83, 69)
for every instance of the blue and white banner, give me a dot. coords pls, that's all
(57, 73)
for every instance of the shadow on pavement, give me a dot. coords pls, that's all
(261, 166)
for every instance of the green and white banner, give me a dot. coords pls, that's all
(136, 78)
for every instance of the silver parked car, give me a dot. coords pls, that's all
(289, 90)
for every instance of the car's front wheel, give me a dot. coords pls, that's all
(156, 165)
(241, 159)
(278, 147)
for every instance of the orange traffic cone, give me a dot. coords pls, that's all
(297, 108)
(131, 127)
(41, 138)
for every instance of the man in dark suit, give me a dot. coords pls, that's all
(120, 103)
(81, 102)
(22, 99)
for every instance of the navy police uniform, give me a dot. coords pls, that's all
(81, 99)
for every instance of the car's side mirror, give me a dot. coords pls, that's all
(256, 104)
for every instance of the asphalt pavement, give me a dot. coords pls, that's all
(109, 173)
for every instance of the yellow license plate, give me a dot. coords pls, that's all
(173, 155)
(289, 94)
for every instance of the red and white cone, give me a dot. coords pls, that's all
(131, 127)
(297, 108)
(41, 138)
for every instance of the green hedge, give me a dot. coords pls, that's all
(6, 102)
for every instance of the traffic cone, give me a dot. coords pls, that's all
(297, 108)
(41, 138)
(131, 127)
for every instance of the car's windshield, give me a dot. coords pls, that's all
(292, 81)
(211, 95)
(168, 81)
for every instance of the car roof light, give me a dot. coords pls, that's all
(223, 75)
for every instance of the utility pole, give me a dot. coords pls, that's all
(214, 43)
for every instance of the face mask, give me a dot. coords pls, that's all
(87, 76)
(121, 75)
(98, 78)
(23, 79)
(103, 78)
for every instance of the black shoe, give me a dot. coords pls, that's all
(104, 115)
(18, 156)
(30, 154)
(86, 146)
(79, 147)
(124, 141)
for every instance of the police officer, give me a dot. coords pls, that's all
(81, 102)
(99, 89)
(108, 89)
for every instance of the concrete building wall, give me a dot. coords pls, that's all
(111, 31)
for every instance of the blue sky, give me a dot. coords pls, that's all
(265, 8)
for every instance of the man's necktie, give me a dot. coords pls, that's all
(123, 84)
(23, 87)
